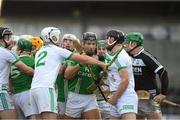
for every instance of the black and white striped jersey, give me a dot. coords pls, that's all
(145, 67)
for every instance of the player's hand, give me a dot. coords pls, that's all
(113, 100)
(159, 98)
(104, 67)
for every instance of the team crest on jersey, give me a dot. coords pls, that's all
(112, 78)
(138, 62)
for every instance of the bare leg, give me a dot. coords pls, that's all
(157, 116)
(35, 117)
(114, 118)
(49, 115)
(8, 114)
(128, 116)
(91, 114)
(140, 117)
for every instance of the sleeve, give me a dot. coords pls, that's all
(11, 57)
(163, 75)
(65, 53)
(152, 63)
(120, 63)
(71, 63)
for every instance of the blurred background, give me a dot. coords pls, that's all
(158, 21)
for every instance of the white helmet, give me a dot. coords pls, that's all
(48, 33)
(71, 37)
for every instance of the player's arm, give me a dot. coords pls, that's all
(24, 67)
(62, 69)
(124, 82)
(122, 86)
(164, 86)
(163, 76)
(10, 87)
(88, 60)
(71, 71)
(156, 66)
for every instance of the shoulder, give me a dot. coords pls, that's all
(124, 55)
(4, 50)
(7, 53)
(147, 55)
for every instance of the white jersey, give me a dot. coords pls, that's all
(47, 64)
(123, 61)
(6, 59)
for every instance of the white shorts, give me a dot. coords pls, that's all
(127, 103)
(43, 100)
(78, 103)
(104, 108)
(6, 101)
(22, 102)
(61, 107)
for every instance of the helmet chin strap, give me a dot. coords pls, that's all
(6, 45)
(111, 45)
(129, 52)
(52, 41)
(50, 37)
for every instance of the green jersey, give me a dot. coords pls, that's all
(20, 80)
(83, 80)
(62, 88)
(62, 85)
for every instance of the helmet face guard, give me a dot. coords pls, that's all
(117, 35)
(109, 43)
(68, 41)
(3, 32)
(118, 38)
(48, 34)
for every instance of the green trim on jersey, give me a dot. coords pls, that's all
(114, 53)
(83, 79)
(51, 99)
(119, 65)
(20, 80)
(4, 101)
(121, 68)
(15, 62)
(109, 57)
(69, 57)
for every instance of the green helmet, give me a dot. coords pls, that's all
(135, 37)
(101, 43)
(25, 44)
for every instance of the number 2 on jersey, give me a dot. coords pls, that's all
(41, 59)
